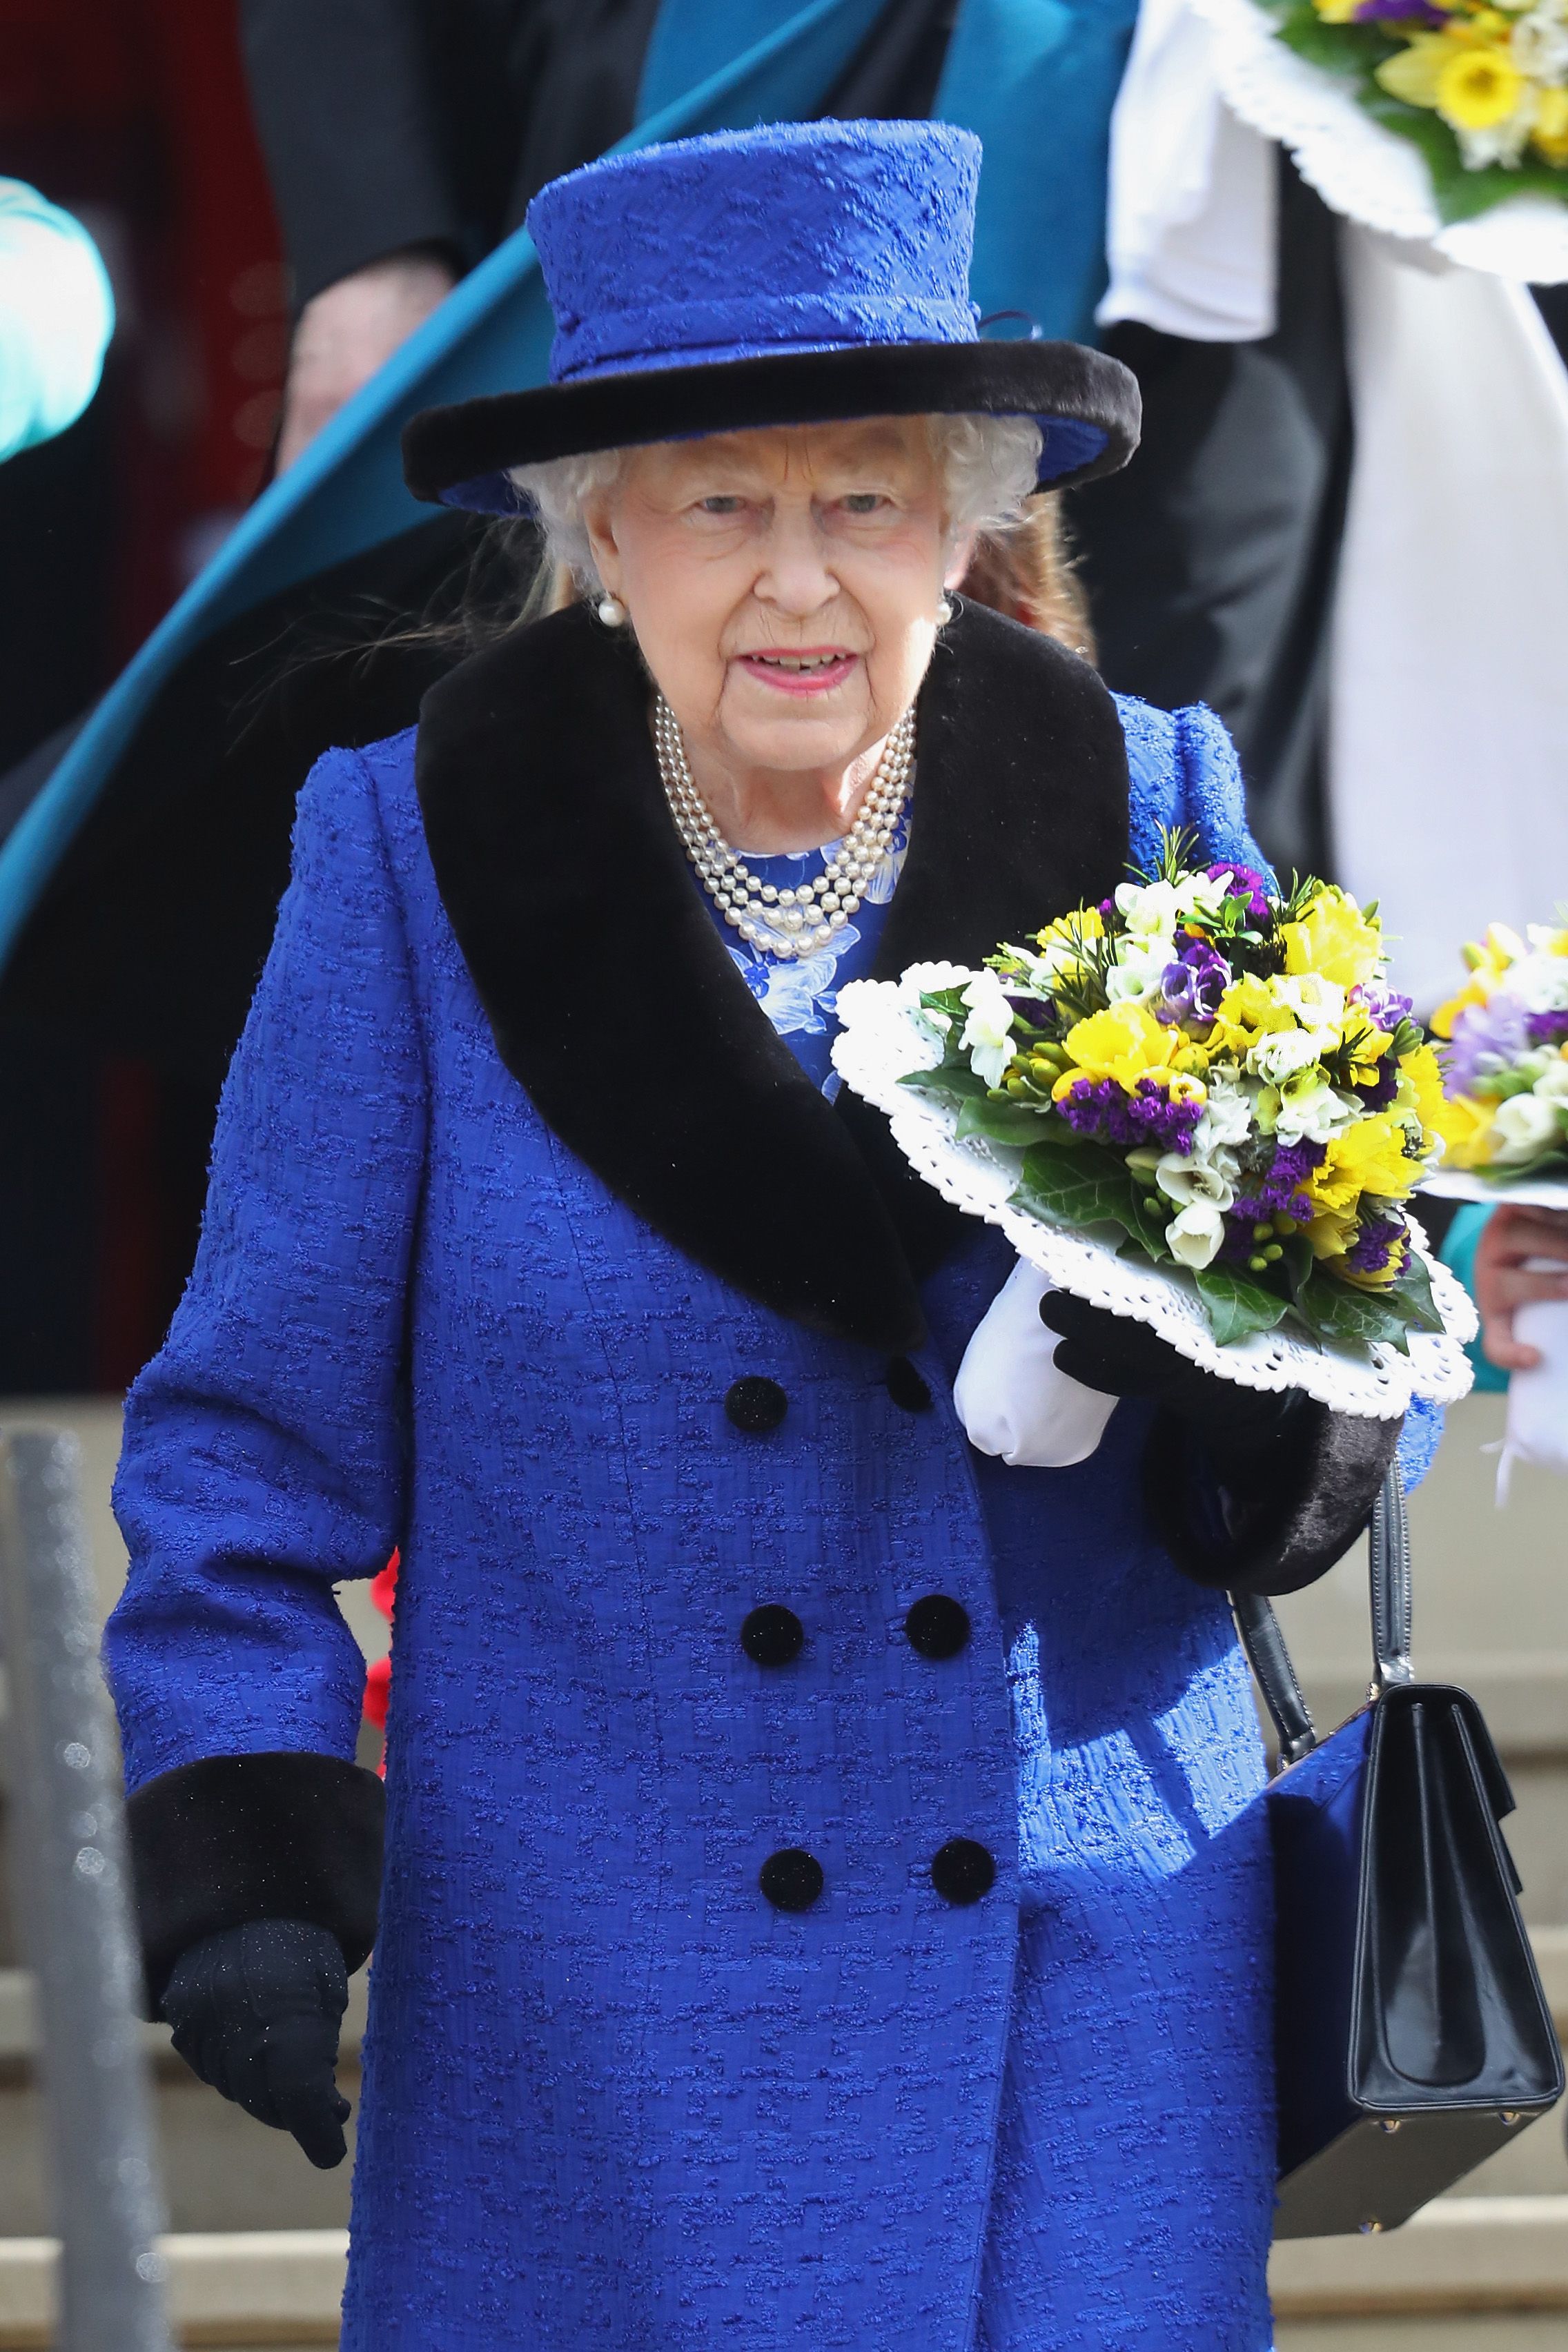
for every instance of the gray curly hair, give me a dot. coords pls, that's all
(989, 464)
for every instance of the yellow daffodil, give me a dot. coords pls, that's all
(1479, 89)
(1069, 930)
(1334, 938)
(1414, 73)
(1367, 1047)
(1249, 1009)
(1124, 1042)
(1421, 1088)
(1369, 1156)
(1549, 132)
(1465, 1124)
(1330, 1232)
(1337, 12)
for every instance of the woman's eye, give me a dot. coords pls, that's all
(862, 502)
(725, 505)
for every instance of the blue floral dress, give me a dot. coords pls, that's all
(1132, 2183)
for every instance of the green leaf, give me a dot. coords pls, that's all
(1084, 1187)
(1413, 1291)
(950, 1082)
(1348, 1316)
(1002, 1122)
(1297, 1264)
(1237, 1303)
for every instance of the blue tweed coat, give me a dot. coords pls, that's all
(513, 1184)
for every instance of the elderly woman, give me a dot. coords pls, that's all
(823, 1901)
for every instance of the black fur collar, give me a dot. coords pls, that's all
(614, 1002)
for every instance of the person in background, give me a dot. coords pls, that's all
(57, 315)
(405, 137)
(1495, 1253)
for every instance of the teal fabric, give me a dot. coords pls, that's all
(1458, 1255)
(57, 315)
(1037, 79)
(1034, 79)
(346, 492)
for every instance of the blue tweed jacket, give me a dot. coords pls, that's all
(530, 1251)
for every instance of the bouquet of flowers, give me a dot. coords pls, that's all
(1505, 1068)
(1217, 1078)
(1480, 90)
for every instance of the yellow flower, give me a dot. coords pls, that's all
(1369, 1156)
(1123, 1043)
(1423, 1093)
(1069, 930)
(1334, 938)
(1549, 133)
(1465, 1125)
(1337, 12)
(1249, 1009)
(1412, 75)
(1443, 1020)
(1479, 89)
(1330, 1232)
(1366, 1048)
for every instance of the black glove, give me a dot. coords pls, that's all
(1124, 1358)
(256, 2011)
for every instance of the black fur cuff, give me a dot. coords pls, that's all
(237, 1838)
(1277, 1518)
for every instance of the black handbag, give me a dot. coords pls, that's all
(1412, 2035)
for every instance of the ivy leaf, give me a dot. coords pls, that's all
(1413, 1292)
(1001, 1122)
(1083, 1187)
(951, 1083)
(1297, 1264)
(1340, 1312)
(1237, 1303)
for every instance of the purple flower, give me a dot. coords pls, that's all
(1376, 1245)
(1400, 12)
(1384, 1007)
(1279, 1194)
(1384, 1087)
(1548, 1028)
(1100, 1109)
(1032, 1009)
(1487, 1038)
(1191, 988)
(1244, 882)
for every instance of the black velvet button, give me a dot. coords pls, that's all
(792, 1879)
(771, 1635)
(755, 1403)
(905, 1387)
(937, 1626)
(963, 1871)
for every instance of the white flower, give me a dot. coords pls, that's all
(1147, 907)
(988, 1033)
(1309, 1105)
(1540, 979)
(1319, 1004)
(1226, 1119)
(1539, 44)
(1191, 1181)
(1281, 1054)
(1552, 1083)
(1524, 1127)
(1194, 1237)
(1138, 974)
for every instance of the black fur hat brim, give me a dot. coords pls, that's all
(1086, 405)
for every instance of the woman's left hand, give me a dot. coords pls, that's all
(1124, 1358)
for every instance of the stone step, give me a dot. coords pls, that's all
(251, 2290)
(1492, 2260)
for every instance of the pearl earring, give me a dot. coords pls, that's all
(943, 610)
(612, 612)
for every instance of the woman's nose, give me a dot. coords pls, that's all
(796, 577)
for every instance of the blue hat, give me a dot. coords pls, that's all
(791, 275)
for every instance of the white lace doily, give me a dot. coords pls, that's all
(1361, 169)
(1532, 1192)
(882, 1042)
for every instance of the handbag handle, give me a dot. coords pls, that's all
(1388, 1550)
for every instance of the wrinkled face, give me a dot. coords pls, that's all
(784, 584)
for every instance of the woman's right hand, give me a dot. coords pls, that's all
(1506, 1280)
(256, 2012)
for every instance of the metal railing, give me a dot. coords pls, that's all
(72, 1872)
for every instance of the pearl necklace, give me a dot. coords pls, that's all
(785, 923)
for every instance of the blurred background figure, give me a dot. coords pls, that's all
(56, 314)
